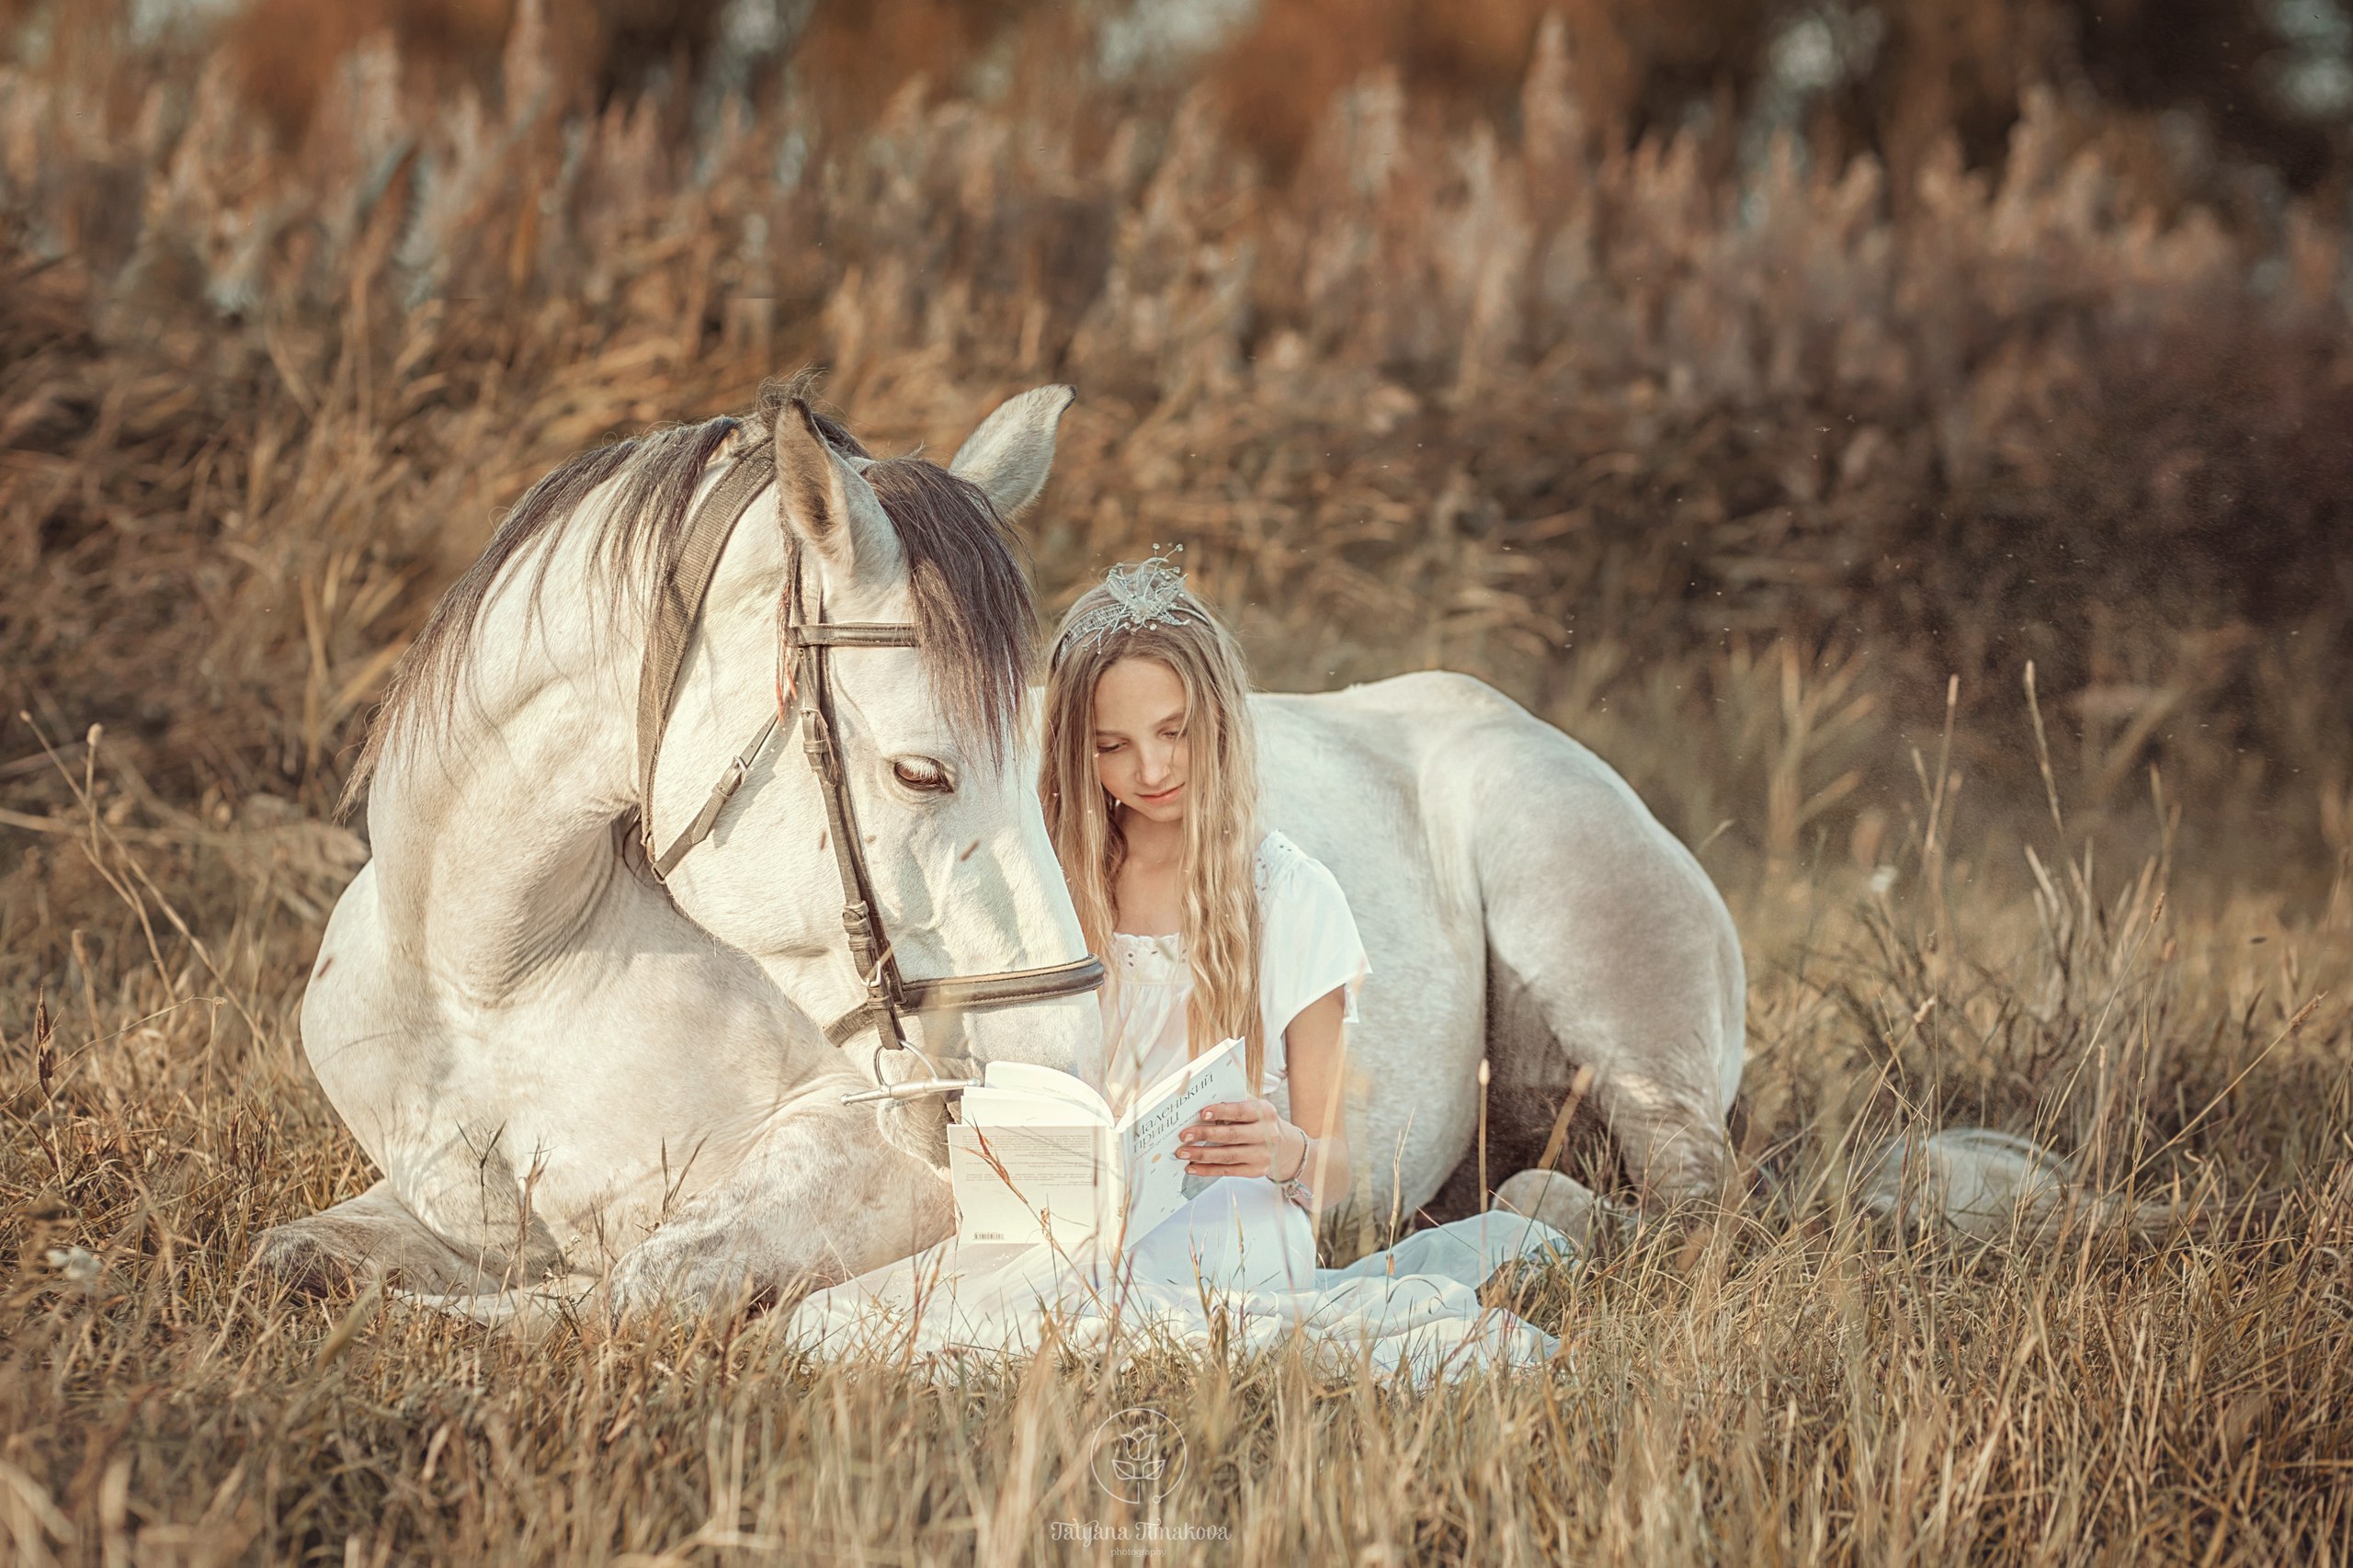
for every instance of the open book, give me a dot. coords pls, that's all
(1039, 1152)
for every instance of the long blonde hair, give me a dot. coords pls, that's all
(1221, 923)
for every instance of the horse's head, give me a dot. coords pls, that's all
(940, 769)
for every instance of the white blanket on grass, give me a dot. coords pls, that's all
(1239, 1252)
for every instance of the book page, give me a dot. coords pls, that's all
(1148, 1097)
(988, 1105)
(1157, 1182)
(1004, 1079)
(1021, 1183)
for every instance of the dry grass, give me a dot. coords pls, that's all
(1728, 483)
(1787, 1383)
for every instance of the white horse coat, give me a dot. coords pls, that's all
(1514, 897)
(561, 1066)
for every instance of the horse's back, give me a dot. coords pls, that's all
(1488, 783)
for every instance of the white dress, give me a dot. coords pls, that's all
(1308, 948)
(1239, 1247)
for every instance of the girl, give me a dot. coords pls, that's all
(1210, 927)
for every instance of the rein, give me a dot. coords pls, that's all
(804, 683)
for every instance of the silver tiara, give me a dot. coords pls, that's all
(1142, 594)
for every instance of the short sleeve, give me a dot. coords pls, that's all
(1308, 942)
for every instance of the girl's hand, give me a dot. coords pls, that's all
(1240, 1138)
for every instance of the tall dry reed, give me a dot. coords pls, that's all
(1768, 485)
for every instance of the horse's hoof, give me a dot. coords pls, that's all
(1563, 1203)
(301, 1263)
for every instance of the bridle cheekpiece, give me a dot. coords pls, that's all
(804, 681)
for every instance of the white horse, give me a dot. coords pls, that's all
(1516, 897)
(562, 1064)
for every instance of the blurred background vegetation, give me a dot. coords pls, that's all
(1633, 355)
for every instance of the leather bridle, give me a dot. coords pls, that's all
(804, 681)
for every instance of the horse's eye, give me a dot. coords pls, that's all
(923, 776)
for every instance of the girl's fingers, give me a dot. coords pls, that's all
(1239, 1111)
(1233, 1139)
(1228, 1136)
(1239, 1157)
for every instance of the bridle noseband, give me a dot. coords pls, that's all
(804, 681)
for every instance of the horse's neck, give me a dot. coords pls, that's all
(493, 827)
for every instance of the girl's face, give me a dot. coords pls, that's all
(1141, 749)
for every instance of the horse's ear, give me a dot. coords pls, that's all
(823, 498)
(1009, 455)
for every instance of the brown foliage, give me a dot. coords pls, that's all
(1629, 65)
(1935, 70)
(850, 58)
(1731, 476)
(1573, 397)
(287, 53)
(854, 57)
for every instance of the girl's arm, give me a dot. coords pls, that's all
(1249, 1138)
(1315, 1046)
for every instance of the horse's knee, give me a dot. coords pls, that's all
(1674, 1146)
(703, 1282)
(820, 1202)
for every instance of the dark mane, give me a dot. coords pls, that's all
(975, 616)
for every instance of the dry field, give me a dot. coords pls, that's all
(1768, 480)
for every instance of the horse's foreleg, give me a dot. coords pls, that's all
(821, 1197)
(371, 1234)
